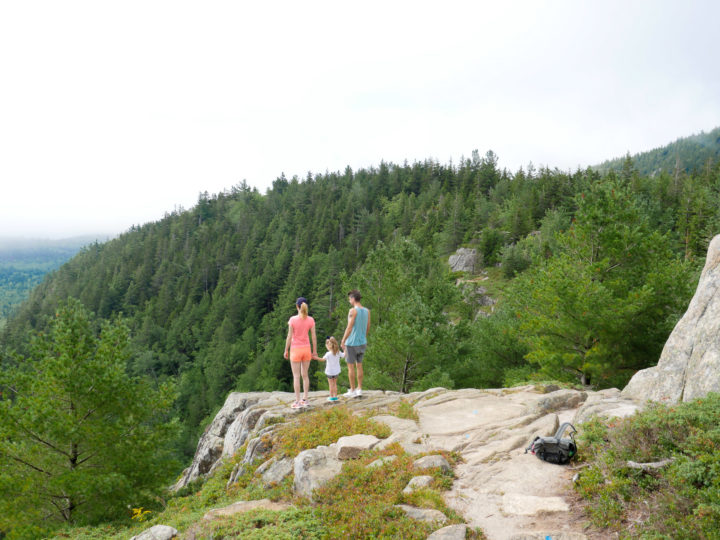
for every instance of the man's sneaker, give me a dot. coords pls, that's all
(350, 393)
(358, 392)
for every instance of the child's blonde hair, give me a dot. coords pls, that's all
(334, 347)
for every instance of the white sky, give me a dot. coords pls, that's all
(112, 113)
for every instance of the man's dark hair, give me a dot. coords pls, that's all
(355, 294)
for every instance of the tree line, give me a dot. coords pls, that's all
(594, 270)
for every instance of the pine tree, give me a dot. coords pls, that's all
(79, 438)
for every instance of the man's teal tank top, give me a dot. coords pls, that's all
(358, 333)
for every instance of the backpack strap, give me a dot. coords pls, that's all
(562, 428)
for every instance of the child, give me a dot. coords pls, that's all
(332, 365)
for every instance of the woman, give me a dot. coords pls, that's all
(298, 344)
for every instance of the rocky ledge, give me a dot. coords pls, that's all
(499, 488)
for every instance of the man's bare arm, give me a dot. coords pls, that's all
(351, 322)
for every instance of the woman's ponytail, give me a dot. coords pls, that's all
(304, 310)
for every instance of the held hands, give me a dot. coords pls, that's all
(318, 358)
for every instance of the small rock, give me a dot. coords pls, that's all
(382, 461)
(418, 482)
(244, 506)
(350, 447)
(422, 514)
(430, 462)
(158, 532)
(451, 532)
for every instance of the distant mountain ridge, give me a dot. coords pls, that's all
(686, 154)
(24, 262)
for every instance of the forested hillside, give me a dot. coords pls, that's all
(685, 155)
(594, 271)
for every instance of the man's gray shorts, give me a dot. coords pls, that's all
(354, 353)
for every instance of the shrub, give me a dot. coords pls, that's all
(679, 500)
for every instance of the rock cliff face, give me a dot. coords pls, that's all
(689, 366)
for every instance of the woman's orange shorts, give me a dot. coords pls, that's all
(300, 354)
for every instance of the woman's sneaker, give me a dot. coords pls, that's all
(350, 393)
(296, 405)
(358, 392)
(303, 403)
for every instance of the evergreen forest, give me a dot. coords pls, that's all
(590, 271)
(686, 154)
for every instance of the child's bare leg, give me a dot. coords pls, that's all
(332, 383)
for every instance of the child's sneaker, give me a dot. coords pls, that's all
(331, 399)
(334, 399)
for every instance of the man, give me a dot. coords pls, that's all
(354, 342)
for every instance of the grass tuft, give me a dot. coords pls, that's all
(325, 427)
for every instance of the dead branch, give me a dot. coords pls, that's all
(650, 466)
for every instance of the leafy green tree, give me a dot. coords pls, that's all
(603, 306)
(411, 334)
(80, 440)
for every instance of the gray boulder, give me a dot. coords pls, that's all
(689, 366)
(430, 462)
(422, 514)
(276, 472)
(350, 447)
(463, 260)
(418, 482)
(158, 532)
(314, 468)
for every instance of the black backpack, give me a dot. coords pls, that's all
(555, 449)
